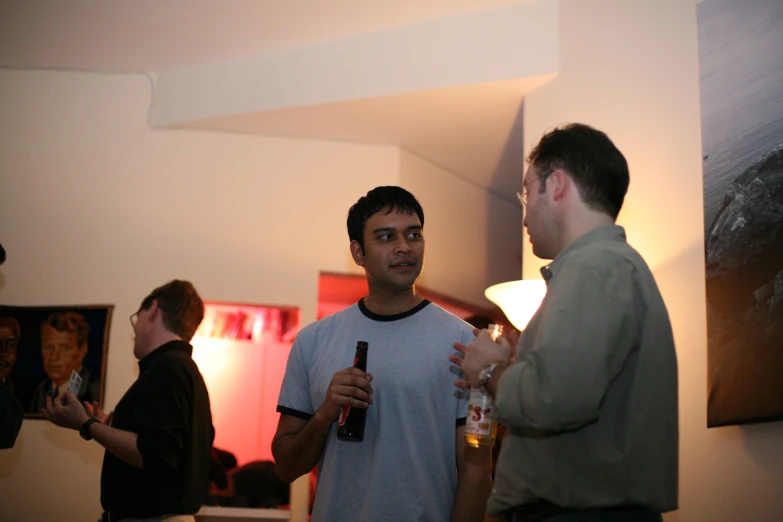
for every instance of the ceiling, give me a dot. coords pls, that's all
(474, 131)
(157, 35)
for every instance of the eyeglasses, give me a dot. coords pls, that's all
(133, 318)
(523, 195)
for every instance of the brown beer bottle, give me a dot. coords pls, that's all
(350, 425)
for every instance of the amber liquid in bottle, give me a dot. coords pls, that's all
(480, 425)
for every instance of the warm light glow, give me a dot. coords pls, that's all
(519, 300)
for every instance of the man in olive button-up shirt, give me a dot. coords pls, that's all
(590, 403)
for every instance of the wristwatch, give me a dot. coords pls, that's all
(485, 375)
(84, 431)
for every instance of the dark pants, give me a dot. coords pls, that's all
(590, 515)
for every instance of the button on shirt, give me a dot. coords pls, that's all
(591, 403)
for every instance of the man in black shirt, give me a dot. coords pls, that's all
(11, 412)
(159, 437)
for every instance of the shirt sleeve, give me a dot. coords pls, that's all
(163, 416)
(584, 335)
(294, 396)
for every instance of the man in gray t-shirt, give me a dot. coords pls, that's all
(413, 463)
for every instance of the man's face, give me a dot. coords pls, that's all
(141, 333)
(538, 218)
(393, 250)
(61, 354)
(9, 346)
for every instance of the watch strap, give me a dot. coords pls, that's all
(84, 431)
(485, 376)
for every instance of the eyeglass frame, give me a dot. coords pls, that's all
(133, 318)
(522, 196)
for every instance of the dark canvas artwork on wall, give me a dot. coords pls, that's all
(741, 78)
(42, 345)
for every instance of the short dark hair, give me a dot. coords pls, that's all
(598, 168)
(181, 307)
(387, 199)
(71, 322)
(12, 324)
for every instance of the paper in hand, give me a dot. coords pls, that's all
(75, 383)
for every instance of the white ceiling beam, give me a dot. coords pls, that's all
(518, 41)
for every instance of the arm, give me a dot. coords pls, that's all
(73, 415)
(474, 481)
(121, 443)
(581, 342)
(298, 443)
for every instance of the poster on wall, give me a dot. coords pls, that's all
(42, 345)
(741, 78)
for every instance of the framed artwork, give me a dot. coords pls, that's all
(41, 345)
(741, 77)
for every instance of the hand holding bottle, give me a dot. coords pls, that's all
(481, 352)
(480, 425)
(348, 387)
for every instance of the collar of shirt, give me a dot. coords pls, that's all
(602, 233)
(160, 351)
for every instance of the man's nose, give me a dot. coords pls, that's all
(402, 245)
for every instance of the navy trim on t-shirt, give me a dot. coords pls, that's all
(294, 413)
(394, 317)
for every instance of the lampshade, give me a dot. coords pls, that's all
(519, 300)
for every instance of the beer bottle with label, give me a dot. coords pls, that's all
(350, 425)
(480, 424)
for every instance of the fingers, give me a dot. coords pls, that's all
(353, 371)
(48, 409)
(92, 409)
(460, 347)
(108, 418)
(513, 337)
(456, 359)
(353, 377)
(462, 384)
(70, 397)
(354, 402)
(350, 387)
(348, 394)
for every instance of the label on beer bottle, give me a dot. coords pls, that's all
(343, 415)
(345, 410)
(481, 413)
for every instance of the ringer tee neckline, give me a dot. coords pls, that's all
(394, 317)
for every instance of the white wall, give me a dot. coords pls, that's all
(630, 68)
(97, 208)
(472, 236)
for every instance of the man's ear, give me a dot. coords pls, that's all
(153, 309)
(559, 182)
(356, 253)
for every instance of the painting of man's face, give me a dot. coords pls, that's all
(9, 346)
(61, 354)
